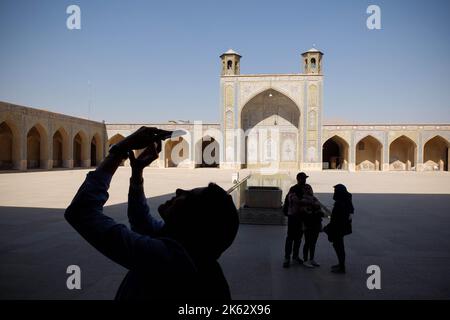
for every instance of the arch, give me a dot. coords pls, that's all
(96, 150)
(80, 154)
(37, 147)
(368, 154)
(7, 146)
(313, 63)
(402, 154)
(114, 139)
(436, 154)
(60, 148)
(267, 89)
(208, 151)
(335, 153)
(408, 135)
(10, 145)
(176, 151)
(270, 118)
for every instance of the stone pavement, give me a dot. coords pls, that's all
(402, 224)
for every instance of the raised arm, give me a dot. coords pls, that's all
(114, 240)
(139, 216)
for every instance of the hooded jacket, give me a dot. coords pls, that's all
(158, 266)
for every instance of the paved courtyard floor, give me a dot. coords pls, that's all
(402, 224)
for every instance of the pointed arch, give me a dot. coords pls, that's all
(208, 151)
(96, 149)
(176, 151)
(262, 90)
(335, 153)
(436, 154)
(368, 154)
(114, 139)
(60, 148)
(273, 116)
(80, 149)
(9, 146)
(37, 147)
(402, 154)
(270, 103)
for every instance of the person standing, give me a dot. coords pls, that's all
(340, 224)
(312, 227)
(293, 208)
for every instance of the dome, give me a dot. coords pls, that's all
(312, 50)
(229, 52)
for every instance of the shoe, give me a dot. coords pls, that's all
(298, 260)
(314, 263)
(308, 264)
(286, 263)
(337, 266)
(338, 270)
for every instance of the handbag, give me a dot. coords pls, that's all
(329, 231)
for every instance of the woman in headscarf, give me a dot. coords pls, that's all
(340, 224)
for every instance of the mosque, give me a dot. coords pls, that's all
(267, 121)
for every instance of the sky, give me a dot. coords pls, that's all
(154, 61)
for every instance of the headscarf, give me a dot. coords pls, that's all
(342, 195)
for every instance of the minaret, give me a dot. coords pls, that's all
(230, 63)
(312, 61)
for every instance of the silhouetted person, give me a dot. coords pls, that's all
(312, 226)
(294, 208)
(174, 259)
(340, 224)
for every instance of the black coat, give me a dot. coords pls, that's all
(340, 218)
(341, 223)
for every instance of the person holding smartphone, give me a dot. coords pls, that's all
(171, 259)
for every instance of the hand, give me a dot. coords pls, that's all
(147, 156)
(141, 138)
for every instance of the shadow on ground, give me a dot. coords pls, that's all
(408, 236)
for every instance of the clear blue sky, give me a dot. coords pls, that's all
(153, 61)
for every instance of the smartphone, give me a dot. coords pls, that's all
(171, 134)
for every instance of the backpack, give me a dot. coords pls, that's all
(295, 205)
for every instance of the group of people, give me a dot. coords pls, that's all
(305, 213)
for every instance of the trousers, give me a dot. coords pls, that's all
(309, 248)
(294, 237)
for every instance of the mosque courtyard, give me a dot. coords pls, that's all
(401, 224)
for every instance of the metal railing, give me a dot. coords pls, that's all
(237, 192)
